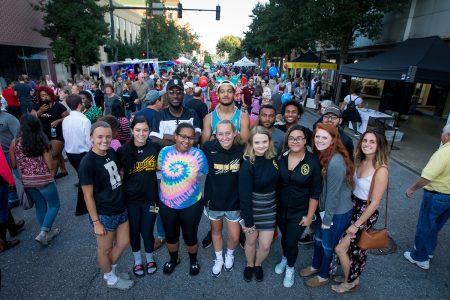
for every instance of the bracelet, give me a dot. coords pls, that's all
(95, 221)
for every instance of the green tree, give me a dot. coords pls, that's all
(230, 45)
(337, 23)
(207, 58)
(76, 29)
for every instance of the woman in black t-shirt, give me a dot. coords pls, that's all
(224, 157)
(299, 191)
(138, 159)
(51, 114)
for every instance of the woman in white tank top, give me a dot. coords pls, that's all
(370, 154)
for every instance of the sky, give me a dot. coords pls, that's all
(234, 19)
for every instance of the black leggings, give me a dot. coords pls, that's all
(291, 231)
(186, 219)
(142, 222)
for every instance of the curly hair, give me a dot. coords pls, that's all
(46, 89)
(33, 139)
(336, 147)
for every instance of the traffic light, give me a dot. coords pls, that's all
(218, 13)
(180, 11)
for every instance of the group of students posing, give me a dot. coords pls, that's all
(247, 183)
(250, 185)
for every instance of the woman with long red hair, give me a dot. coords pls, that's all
(51, 113)
(335, 204)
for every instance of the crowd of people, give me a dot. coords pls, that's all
(164, 151)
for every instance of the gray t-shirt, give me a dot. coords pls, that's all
(336, 194)
(9, 128)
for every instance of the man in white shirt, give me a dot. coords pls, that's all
(76, 131)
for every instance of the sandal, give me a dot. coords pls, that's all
(339, 279)
(170, 266)
(138, 271)
(344, 287)
(151, 268)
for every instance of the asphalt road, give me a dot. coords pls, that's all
(67, 269)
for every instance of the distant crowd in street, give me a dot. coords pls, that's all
(226, 143)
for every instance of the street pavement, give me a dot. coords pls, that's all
(67, 268)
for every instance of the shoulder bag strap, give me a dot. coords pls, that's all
(369, 198)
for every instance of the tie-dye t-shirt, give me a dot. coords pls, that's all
(180, 176)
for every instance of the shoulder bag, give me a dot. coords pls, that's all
(375, 238)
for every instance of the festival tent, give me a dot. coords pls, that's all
(244, 62)
(309, 60)
(424, 60)
(184, 60)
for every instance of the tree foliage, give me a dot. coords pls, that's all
(76, 29)
(230, 45)
(207, 58)
(166, 39)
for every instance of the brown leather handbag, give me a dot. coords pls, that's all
(375, 238)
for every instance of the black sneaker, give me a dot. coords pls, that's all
(259, 273)
(248, 273)
(306, 240)
(242, 239)
(194, 269)
(207, 241)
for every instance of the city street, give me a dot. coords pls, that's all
(67, 268)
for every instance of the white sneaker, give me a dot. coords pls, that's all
(289, 277)
(217, 268)
(422, 264)
(229, 262)
(42, 238)
(53, 233)
(279, 268)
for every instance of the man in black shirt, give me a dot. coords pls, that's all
(102, 189)
(197, 105)
(167, 120)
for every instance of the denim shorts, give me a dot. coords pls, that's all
(231, 216)
(111, 223)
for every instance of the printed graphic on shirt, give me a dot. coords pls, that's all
(148, 164)
(233, 166)
(305, 169)
(275, 164)
(113, 172)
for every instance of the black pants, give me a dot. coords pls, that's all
(186, 219)
(291, 231)
(142, 222)
(75, 160)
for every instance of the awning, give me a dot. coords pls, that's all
(309, 60)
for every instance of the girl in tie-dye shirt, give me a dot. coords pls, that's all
(181, 167)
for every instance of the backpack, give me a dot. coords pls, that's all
(351, 105)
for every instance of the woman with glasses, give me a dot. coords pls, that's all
(371, 154)
(335, 202)
(224, 155)
(182, 167)
(298, 198)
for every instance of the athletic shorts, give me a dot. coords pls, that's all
(231, 216)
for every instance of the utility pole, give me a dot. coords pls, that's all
(111, 19)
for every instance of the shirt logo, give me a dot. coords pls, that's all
(148, 164)
(275, 164)
(114, 177)
(305, 169)
(233, 166)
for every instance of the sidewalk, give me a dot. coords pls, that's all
(422, 137)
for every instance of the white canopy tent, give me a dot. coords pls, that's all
(184, 60)
(244, 62)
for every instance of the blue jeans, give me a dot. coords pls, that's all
(12, 195)
(47, 202)
(434, 213)
(3, 203)
(326, 240)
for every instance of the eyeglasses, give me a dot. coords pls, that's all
(186, 138)
(298, 139)
(177, 93)
(332, 118)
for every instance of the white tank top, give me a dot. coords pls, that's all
(362, 186)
